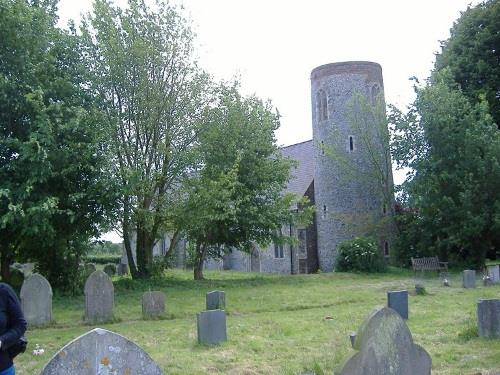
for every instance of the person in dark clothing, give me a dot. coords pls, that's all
(12, 326)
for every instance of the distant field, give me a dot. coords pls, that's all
(277, 325)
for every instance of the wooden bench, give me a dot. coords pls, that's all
(428, 264)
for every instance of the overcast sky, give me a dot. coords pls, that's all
(274, 44)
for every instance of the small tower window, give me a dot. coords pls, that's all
(321, 105)
(374, 93)
(386, 248)
(322, 148)
(324, 211)
(351, 143)
(384, 208)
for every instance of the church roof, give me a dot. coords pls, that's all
(303, 174)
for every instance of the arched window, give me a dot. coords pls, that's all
(321, 105)
(374, 93)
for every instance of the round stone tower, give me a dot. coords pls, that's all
(351, 156)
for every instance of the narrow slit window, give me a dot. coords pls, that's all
(322, 105)
(322, 148)
(386, 248)
(351, 143)
(384, 209)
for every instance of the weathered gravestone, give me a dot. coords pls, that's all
(469, 279)
(89, 269)
(36, 300)
(488, 318)
(216, 300)
(211, 326)
(494, 273)
(386, 346)
(398, 301)
(153, 305)
(99, 298)
(122, 269)
(101, 352)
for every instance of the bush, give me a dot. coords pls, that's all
(360, 254)
(110, 269)
(103, 259)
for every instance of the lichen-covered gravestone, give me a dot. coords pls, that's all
(216, 300)
(101, 352)
(494, 274)
(153, 305)
(36, 300)
(488, 318)
(99, 298)
(398, 301)
(211, 327)
(469, 279)
(386, 346)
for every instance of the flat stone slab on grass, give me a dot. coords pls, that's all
(488, 318)
(216, 300)
(386, 346)
(99, 298)
(153, 305)
(36, 300)
(101, 352)
(469, 279)
(398, 301)
(211, 327)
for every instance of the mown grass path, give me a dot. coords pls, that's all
(277, 325)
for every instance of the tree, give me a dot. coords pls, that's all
(471, 54)
(453, 148)
(55, 195)
(142, 69)
(236, 197)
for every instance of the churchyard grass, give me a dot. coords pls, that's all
(280, 324)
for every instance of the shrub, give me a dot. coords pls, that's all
(360, 254)
(110, 269)
(103, 259)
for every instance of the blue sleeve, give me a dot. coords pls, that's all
(17, 323)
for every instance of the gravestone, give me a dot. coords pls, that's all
(122, 269)
(153, 305)
(494, 274)
(488, 318)
(101, 352)
(36, 300)
(469, 279)
(99, 298)
(211, 326)
(89, 269)
(385, 346)
(398, 301)
(216, 300)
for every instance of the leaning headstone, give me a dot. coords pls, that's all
(469, 279)
(153, 305)
(385, 346)
(211, 326)
(494, 274)
(101, 352)
(398, 301)
(488, 318)
(36, 300)
(216, 300)
(122, 269)
(99, 298)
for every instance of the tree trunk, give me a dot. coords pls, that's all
(144, 251)
(198, 266)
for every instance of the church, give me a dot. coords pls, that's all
(345, 171)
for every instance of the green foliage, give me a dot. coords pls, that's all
(471, 54)
(103, 258)
(360, 254)
(235, 198)
(453, 148)
(54, 194)
(105, 247)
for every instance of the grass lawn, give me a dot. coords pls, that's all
(276, 324)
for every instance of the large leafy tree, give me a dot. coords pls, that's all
(453, 149)
(54, 193)
(235, 199)
(141, 67)
(472, 55)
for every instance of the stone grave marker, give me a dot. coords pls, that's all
(398, 301)
(122, 269)
(89, 268)
(216, 300)
(36, 300)
(488, 318)
(101, 352)
(99, 298)
(211, 327)
(469, 279)
(153, 305)
(385, 346)
(494, 274)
